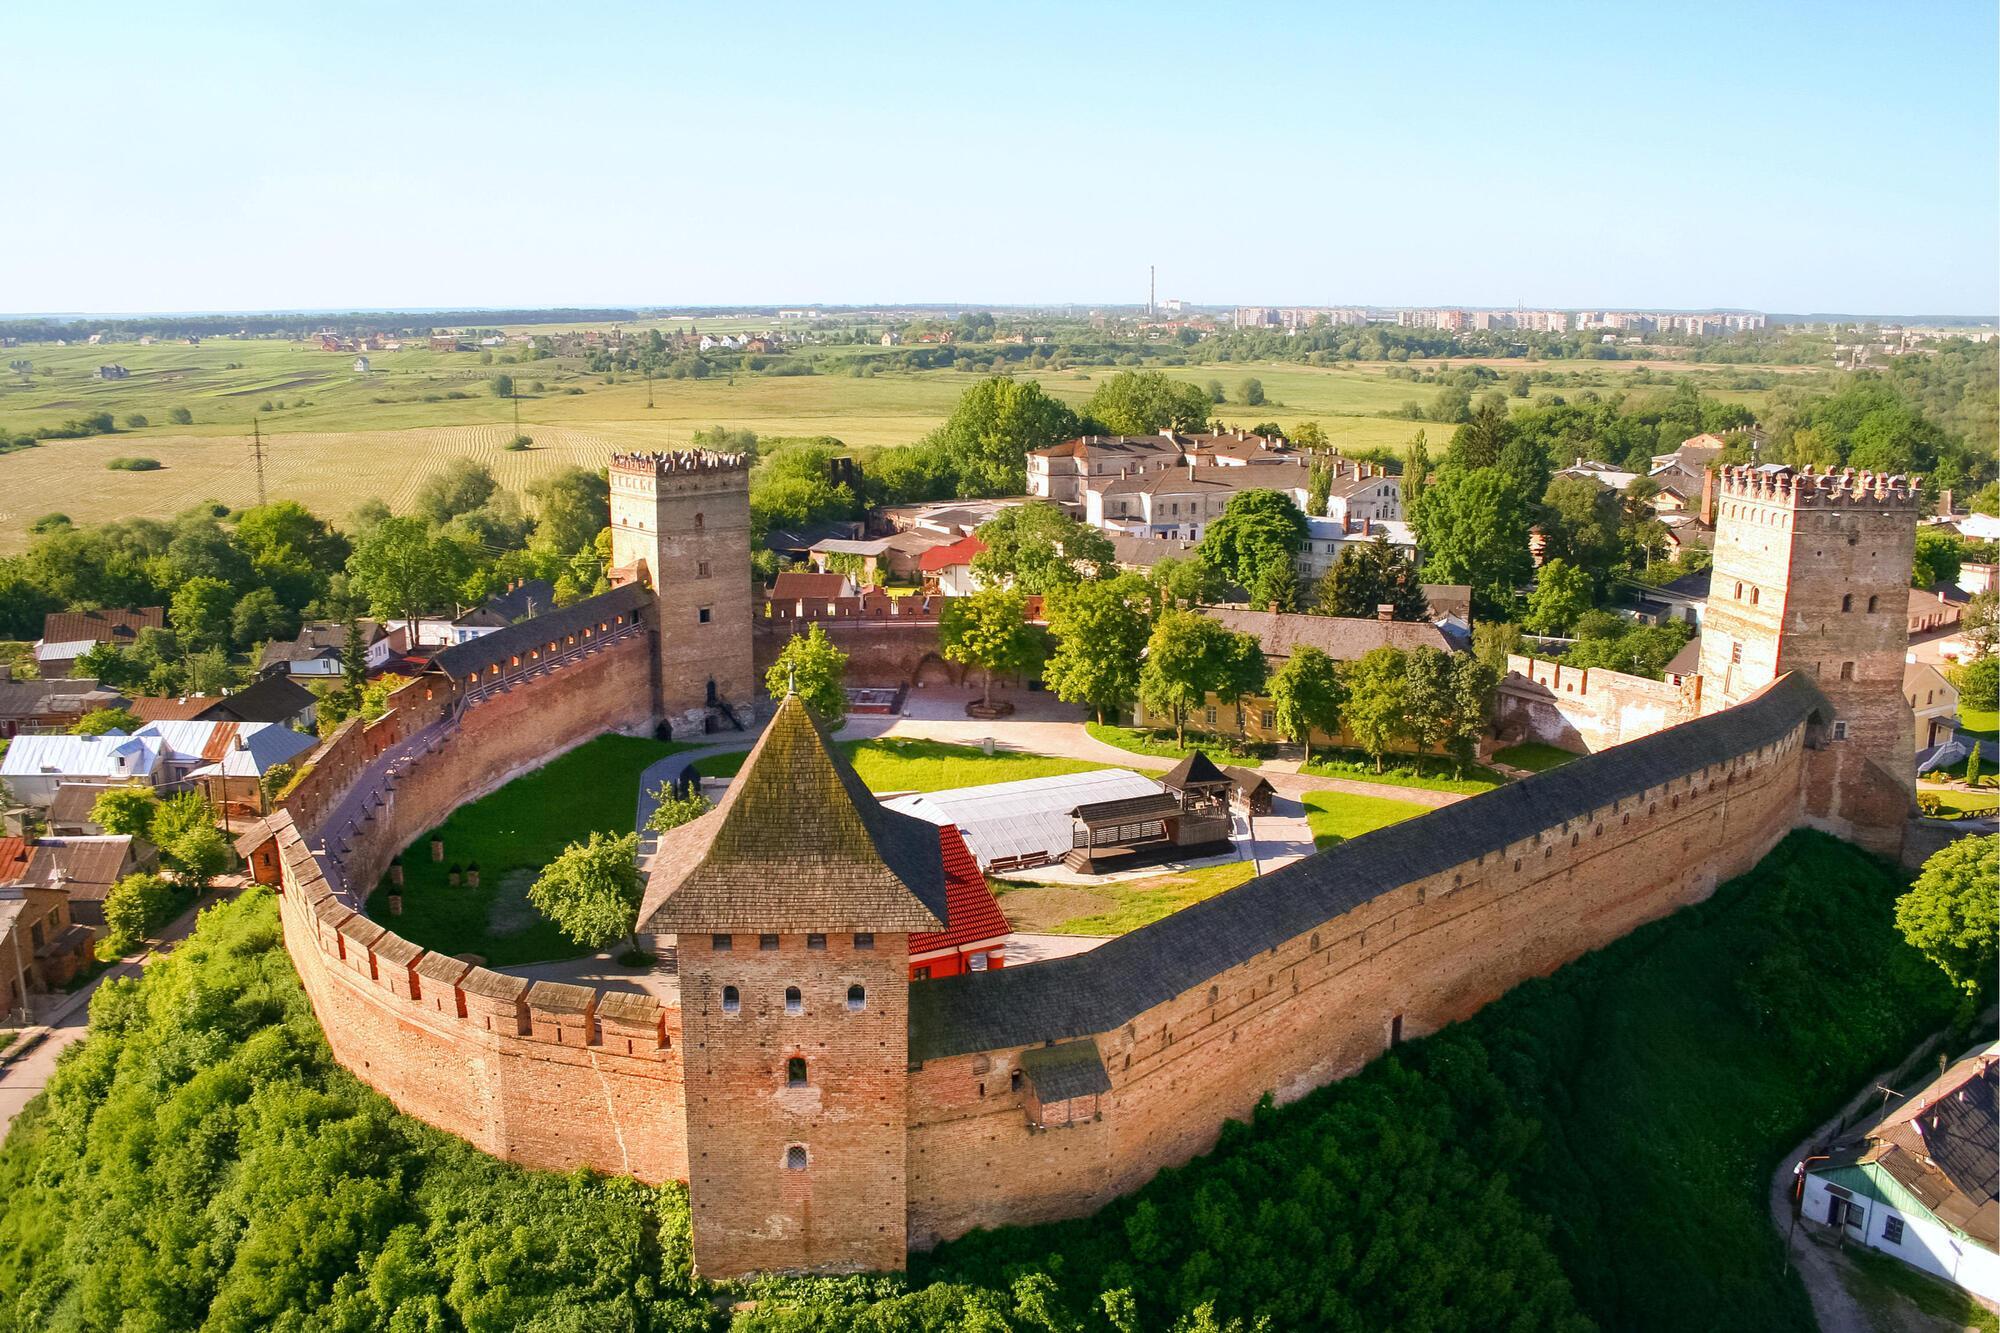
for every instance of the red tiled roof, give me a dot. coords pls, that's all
(101, 626)
(793, 584)
(971, 912)
(959, 552)
(13, 859)
(187, 708)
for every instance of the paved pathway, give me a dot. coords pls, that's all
(27, 1062)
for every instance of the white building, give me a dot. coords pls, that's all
(1919, 1181)
(1011, 825)
(35, 766)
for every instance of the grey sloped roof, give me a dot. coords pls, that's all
(462, 660)
(1093, 992)
(1195, 770)
(797, 844)
(1073, 1069)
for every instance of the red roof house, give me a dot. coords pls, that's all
(976, 930)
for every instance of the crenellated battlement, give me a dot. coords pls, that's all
(680, 462)
(1775, 484)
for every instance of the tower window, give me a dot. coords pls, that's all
(720, 943)
(795, 1072)
(767, 942)
(1840, 731)
(703, 615)
(795, 1003)
(795, 1157)
(1847, 671)
(1873, 602)
(815, 941)
(864, 939)
(1847, 601)
(1735, 653)
(857, 999)
(697, 519)
(1739, 590)
(1753, 596)
(732, 999)
(701, 569)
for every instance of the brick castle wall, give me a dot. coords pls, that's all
(544, 1074)
(1586, 709)
(887, 653)
(1320, 1005)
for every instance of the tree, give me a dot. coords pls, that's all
(1256, 533)
(670, 811)
(1416, 471)
(1474, 528)
(1145, 402)
(1981, 622)
(1583, 525)
(201, 613)
(814, 668)
(1215, 393)
(125, 812)
(572, 505)
(1938, 558)
(1378, 711)
(99, 721)
(459, 487)
(257, 618)
(995, 425)
(1250, 393)
(1306, 697)
(1243, 673)
(990, 630)
(1951, 914)
(1037, 548)
(402, 570)
(1309, 435)
(180, 416)
(133, 908)
(1187, 659)
(591, 891)
(1369, 575)
(503, 386)
(1493, 641)
(191, 847)
(1183, 583)
(1447, 698)
(1561, 594)
(1479, 441)
(1100, 630)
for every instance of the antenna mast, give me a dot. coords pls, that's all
(257, 454)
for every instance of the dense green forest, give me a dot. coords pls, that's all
(1589, 1151)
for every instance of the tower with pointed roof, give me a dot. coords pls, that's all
(792, 904)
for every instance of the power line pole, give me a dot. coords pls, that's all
(514, 392)
(257, 453)
(649, 384)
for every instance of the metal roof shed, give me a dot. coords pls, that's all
(1009, 825)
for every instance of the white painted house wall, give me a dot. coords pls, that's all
(1926, 1244)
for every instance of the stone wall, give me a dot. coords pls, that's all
(1586, 709)
(879, 652)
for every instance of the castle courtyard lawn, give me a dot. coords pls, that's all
(1982, 722)
(1112, 909)
(1404, 770)
(1336, 816)
(892, 764)
(512, 834)
(1534, 756)
(1160, 744)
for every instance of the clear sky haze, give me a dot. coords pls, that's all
(1795, 158)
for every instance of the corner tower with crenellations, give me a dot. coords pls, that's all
(1812, 574)
(680, 521)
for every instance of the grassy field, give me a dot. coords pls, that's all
(1982, 721)
(512, 834)
(1160, 744)
(890, 764)
(1534, 756)
(1336, 816)
(1404, 770)
(1113, 909)
(341, 436)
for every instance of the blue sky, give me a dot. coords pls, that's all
(1826, 157)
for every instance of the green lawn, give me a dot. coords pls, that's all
(1113, 909)
(1160, 744)
(890, 764)
(1336, 816)
(1888, 1288)
(1953, 804)
(1404, 770)
(1984, 722)
(512, 834)
(1534, 756)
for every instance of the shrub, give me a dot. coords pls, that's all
(180, 416)
(135, 421)
(134, 465)
(519, 443)
(136, 906)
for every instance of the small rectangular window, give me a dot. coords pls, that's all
(704, 615)
(767, 942)
(719, 943)
(701, 569)
(1266, 719)
(1840, 731)
(977, 962)
(864, 939)
(815, 941)
(1735, 653)
(1892, 1230)
(920, 973)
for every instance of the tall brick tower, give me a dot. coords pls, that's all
(1812, 574)
(681, 521)
(792, 904)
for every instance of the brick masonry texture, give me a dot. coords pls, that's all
(911, 1137)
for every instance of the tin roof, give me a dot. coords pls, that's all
(1004, 820)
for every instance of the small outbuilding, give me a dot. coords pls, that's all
(1250, 791)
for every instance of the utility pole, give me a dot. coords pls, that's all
(649, 385)
(257, 453)
(515, 385)
(1152, 289)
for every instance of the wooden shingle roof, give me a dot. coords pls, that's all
(797, 844)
